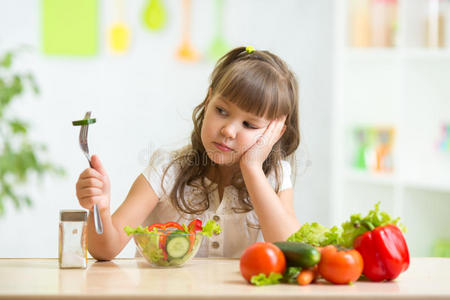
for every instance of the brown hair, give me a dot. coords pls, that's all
(259, 83)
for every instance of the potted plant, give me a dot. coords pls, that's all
(19, 156)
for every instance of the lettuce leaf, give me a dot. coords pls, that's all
(262, 279)
(211, 227)
(316, 235)
(319, 235)
(130, 230)
(152, 251)
(291, 274)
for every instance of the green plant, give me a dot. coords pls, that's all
(19, 157)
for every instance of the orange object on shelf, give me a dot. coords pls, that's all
(435, 23)
(383, 23)
(383, 152)
(360, 23)
(373, 23)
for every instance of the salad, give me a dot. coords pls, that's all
(171, 244)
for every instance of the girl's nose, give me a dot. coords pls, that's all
(228, 131)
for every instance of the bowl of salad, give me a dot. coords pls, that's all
(171, 244)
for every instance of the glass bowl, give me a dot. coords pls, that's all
(168, 248)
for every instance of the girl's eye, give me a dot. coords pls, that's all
(248, 125)
(221, 111)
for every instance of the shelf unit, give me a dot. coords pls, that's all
(406, 87)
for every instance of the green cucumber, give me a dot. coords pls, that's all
(180, 261)
(177, 244)
(83, 122)
(299, 254)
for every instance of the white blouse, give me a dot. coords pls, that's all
(239, 230)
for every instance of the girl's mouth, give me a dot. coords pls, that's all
(222, 147)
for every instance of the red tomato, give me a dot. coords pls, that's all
(264, 258)
(340, 266)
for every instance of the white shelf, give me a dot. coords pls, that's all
(390, 179)
(371, 177)
(372, 53)
(396, 53)
(407, 87)
(429, 185)
(424, 53)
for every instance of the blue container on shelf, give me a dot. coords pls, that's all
(444, 141)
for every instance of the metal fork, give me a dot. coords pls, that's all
(84, 147)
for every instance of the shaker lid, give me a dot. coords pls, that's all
(73, 215)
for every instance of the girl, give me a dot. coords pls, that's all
(234, 171)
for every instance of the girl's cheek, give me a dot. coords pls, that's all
(256, 137)
(204, 132)
(249, 141)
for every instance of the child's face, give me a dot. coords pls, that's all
(228, 131)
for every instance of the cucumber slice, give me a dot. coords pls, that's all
(83, 122)
(177, 246)
(177, 261)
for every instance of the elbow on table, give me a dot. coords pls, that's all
(102, 255)
(280, 236)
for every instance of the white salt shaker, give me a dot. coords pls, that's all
(73, 239)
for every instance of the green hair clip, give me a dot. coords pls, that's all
(249, 49)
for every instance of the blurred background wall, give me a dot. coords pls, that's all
(374, 101)
(143, 98)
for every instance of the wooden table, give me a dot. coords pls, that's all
(427, 278)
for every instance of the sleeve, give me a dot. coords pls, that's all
(155, 171)
(286, 182)
(285, 177)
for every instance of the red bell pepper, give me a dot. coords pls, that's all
(164, 226)
(193, 227)
(163, 237)
(384, 252)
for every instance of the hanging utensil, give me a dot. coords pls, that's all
(219, 46)
(155, 15)
(119, 32)
(186, 51)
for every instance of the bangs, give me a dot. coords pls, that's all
(256, 88)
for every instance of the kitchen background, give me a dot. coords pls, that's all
(374, 98)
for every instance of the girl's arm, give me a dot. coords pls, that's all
(275, 211)
(139, 203)
(93, 187)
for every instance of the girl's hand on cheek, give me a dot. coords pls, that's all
(258, 153)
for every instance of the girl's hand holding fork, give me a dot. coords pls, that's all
(93, 187)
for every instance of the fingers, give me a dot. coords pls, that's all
(88, 202)
(89, 176)
(282, 131)
(97, 165)
(89, 193)
(275, 130)
(91, 173)
(260, 150)
(91, 188)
